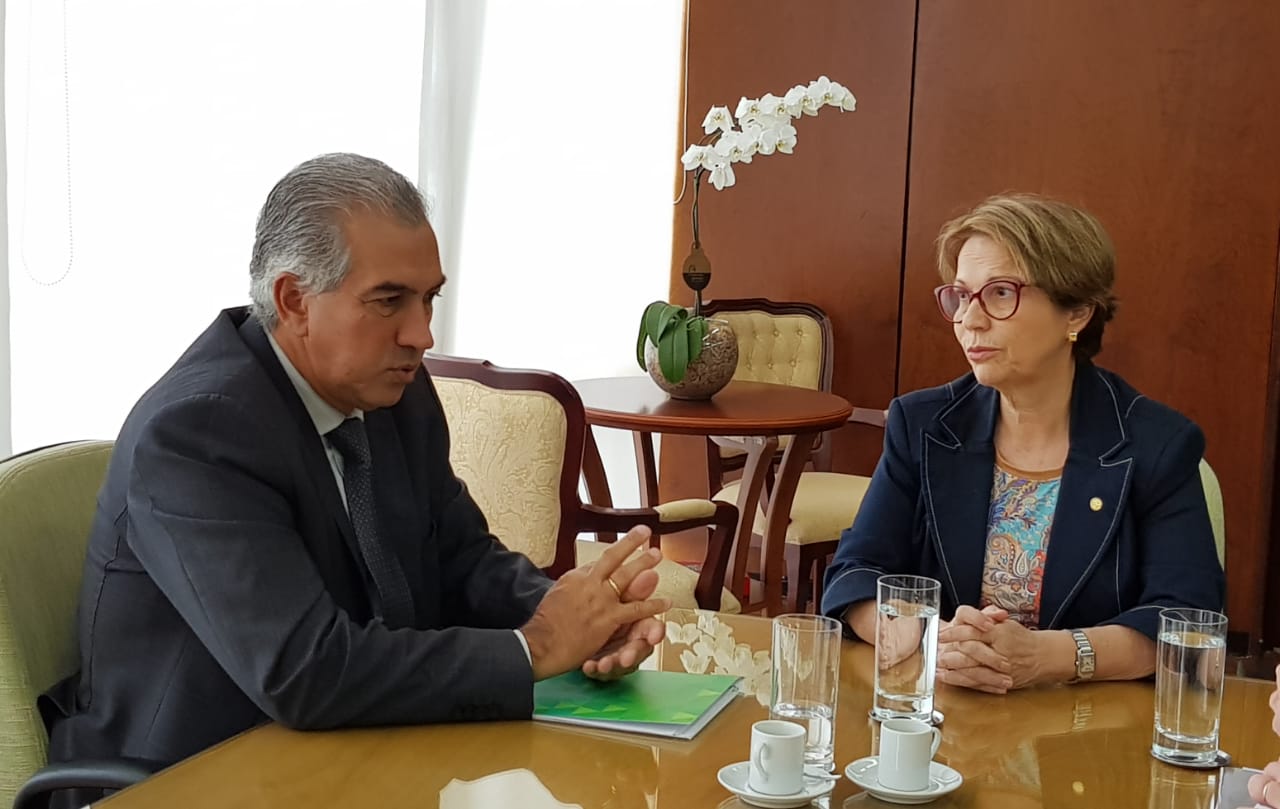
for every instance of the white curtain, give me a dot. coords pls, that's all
(127, 237)
(450, 87)
(6, 432)
(549, 146)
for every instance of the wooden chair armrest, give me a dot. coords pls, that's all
(868, 415)
(722, 522)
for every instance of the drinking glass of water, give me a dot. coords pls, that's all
(1191, 657)
(906, 646)
(806, 676)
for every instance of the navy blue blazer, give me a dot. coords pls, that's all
(1149, 546)
(223, 586)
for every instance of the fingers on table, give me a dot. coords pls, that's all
(979, 678)
(970, 654)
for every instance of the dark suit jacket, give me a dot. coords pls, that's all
(223, 589)
(1149, 546)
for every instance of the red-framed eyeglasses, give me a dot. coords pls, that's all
(998, 298)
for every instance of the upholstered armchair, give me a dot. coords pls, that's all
(1217, 518)
(791, 344)
(517, 441)
(47, 499)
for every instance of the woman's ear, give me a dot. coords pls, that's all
(1079, 316)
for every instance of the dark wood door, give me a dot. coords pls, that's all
(1161, 119)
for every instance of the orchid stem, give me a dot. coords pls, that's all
(697, 185)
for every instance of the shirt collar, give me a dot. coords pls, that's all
(325, 416)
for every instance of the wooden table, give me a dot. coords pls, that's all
(1067, 746)
(758, 412)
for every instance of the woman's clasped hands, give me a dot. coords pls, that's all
(986, 651)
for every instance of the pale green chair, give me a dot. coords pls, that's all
(1217, 519)
(47, 499)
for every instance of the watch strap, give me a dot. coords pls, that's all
(1085, 659)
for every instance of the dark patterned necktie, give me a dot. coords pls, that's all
(357, 478)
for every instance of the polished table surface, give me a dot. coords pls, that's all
(742, 408)
(758, 413)
(1068, 746)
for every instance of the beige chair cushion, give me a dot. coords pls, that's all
(47, 499)
(825, 504)
(508, 447)
(782, 349)
(675, 581)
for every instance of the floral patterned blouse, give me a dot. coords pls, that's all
(1018, 528)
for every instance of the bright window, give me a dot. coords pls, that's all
(124, 243)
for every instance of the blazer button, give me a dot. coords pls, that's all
(1095, 504)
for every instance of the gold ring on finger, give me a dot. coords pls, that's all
(614, 585)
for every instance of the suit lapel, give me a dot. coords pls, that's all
(1091, 500)
(310, 446)
(958, 457)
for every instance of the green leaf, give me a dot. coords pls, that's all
(667, 318)
(680, 349)
(667, 359)
(649, 327)
(650, 318)
(694, 338)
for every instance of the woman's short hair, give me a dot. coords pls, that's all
(1060, 248)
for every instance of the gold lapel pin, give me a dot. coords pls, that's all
(1095, 504)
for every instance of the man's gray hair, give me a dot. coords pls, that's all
(300, 226)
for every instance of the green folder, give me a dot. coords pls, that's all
(658, 703)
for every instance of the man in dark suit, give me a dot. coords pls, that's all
(280, 535)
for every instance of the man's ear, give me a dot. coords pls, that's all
(292, 303)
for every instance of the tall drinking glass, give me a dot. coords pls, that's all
(806, 676)
(1191, 656)
(906, 646)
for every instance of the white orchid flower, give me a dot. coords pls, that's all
(774, 106)
(698, 157)
(779, 139)
(794, 100)
(718, 118)
(734, 147)
(757, 126)
(748, 110)
(815, 96)
(842, 98)
(722, 176)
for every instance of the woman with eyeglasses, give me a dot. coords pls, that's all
(1059, 508)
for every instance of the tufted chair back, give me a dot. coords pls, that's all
(518, 440)
(781, 343)
(513, 448)
(47, 498)
(784, 343)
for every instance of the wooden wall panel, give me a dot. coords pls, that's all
(824, 224)
(1160, 119)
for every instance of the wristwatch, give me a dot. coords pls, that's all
(1084, 656)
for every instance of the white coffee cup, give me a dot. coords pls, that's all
(777, 757)
(907, 746)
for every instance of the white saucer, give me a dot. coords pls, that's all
(734, 778)
(942, 780)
